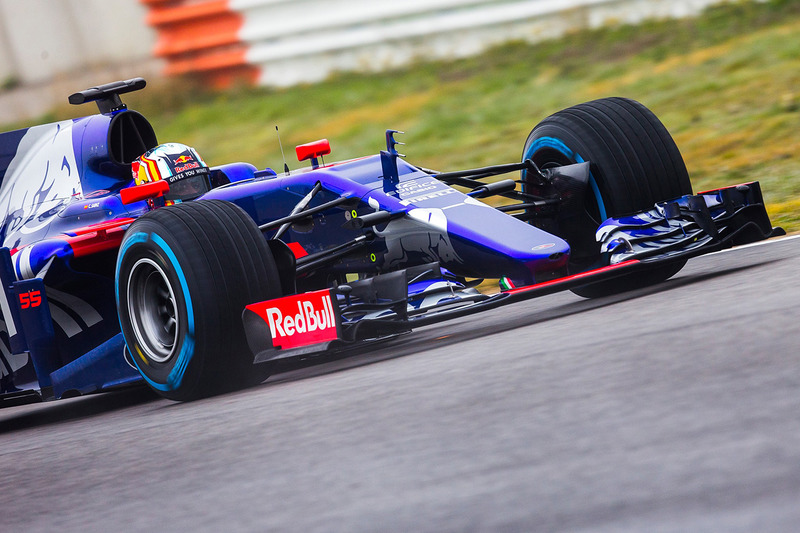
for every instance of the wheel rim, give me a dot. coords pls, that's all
(152, 310)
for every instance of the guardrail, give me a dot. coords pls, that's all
(285, 42)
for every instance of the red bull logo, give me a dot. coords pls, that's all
(187, 166)
(299, 320)
(182, 159)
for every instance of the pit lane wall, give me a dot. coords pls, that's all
(44, 39)
(287, 42)
(52, 48)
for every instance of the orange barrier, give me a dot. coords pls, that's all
(286, 42)
(201, 37)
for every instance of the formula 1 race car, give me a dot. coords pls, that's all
(126, 260)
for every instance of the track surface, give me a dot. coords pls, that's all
(675, 408)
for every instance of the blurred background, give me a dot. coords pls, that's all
(467, 79)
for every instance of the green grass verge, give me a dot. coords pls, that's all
(726, 84)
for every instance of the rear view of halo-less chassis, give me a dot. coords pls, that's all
(105, 286)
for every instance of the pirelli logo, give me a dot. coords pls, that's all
(299, 320)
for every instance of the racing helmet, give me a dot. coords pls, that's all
(180, 165)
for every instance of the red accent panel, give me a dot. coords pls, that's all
(299, 320)
(143, 192)
(588, 275)
(313, 149)
(102, 226)
(297, 249)
(748, 183)
(98, 237)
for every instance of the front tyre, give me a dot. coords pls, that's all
(184, 275)
(634, 165)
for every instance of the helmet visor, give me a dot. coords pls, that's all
(188, 185)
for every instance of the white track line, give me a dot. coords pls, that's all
(759, 243)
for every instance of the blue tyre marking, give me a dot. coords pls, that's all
(175, 377)
(131, 240)
(558, 145)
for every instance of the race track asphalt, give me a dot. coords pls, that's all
(675, 408)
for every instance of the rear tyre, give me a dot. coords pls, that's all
(184, 275)
(634, 164)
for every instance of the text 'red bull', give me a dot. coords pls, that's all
(299, 320)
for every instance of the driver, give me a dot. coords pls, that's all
(180, 165)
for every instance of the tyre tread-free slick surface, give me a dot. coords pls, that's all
(635, 163)
(190, 269)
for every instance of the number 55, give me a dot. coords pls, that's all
(30, 299)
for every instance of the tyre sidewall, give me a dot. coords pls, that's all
(634, 164)
(181, 371)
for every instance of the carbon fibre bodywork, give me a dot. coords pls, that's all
(405, 232)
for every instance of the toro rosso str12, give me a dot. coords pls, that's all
(125, 260)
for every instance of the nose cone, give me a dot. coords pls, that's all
(492, 244)
(463, 234)
(475, 240)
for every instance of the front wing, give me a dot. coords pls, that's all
(672, 231)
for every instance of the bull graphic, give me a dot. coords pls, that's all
(40, 180)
